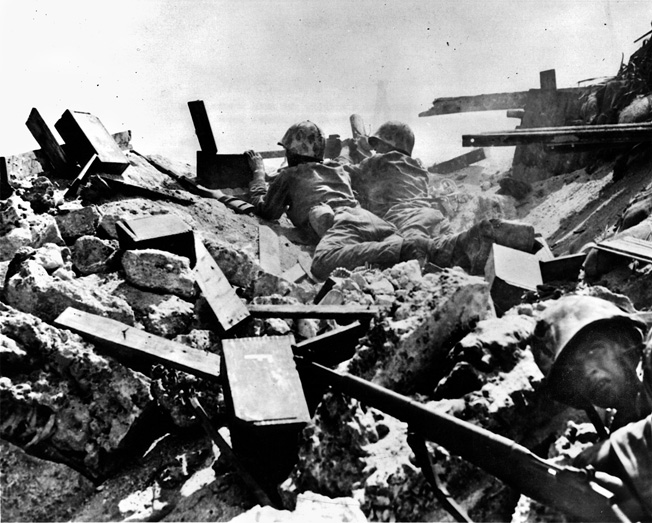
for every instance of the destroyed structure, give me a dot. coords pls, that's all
(159, 341)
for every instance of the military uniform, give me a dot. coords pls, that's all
(356, 236)
(394, 186)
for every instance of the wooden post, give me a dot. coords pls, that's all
(202, 127)
(548, 80)
(45, 138)
(5, 187)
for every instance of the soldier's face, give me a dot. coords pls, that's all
(606, 372)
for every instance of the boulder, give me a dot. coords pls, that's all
(72, 405)
(405, 353)
(91, 254)
(159, 271)
(34, 489)
(77, 222)
(31, 289)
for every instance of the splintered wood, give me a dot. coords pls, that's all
(222, 299)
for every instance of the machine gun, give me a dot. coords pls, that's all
(576, 492)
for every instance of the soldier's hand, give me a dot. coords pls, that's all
(256, 164)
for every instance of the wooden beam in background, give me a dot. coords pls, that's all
(202, 127)
(459, 162)
(572, 135)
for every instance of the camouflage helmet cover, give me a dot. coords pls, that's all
(562, 330)
(396, 134)
(305, 139)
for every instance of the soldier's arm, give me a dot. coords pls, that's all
(270, 202)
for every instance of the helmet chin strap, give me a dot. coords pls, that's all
(595, 418)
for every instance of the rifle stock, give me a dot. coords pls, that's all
(568, 489)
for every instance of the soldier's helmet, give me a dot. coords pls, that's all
(305, 139)
(396, 134)
(567, 328)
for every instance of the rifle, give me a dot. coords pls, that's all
(576, 492)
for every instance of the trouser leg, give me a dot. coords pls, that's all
(357, 237)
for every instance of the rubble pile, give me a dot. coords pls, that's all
(164, 277)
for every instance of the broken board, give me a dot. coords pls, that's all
(202, 126)
(85, 135)
(118, 336)
(269, 250)
(165, 232)
(216, 289)
(335, 312)
(45, 138)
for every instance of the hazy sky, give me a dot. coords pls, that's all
(260, 65)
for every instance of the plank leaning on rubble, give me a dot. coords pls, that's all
(222, 299)
(115, 335)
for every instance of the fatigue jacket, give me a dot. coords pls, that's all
(385, 180)
(296, 190)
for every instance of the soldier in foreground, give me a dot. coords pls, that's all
(595, 354)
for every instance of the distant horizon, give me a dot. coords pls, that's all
(259, 67)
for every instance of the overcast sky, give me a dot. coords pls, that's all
(260, 65)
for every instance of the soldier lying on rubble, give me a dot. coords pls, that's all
(318, 197)
(595, 354)
(395, 186)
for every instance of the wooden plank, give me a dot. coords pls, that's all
(45, 138)
(294, 273)
(306, 262)
(628, 247)
(263, 381)
(548, 80)
(272, 154)
(459, 162)
(577, 135)
(488, 102)
(222, 299)
(81, 179)
(85, 135)
(202, 126)
(481, 102)
(269, 250)
(335, 312)
(5, 187)
(117, 336)
(332, 347)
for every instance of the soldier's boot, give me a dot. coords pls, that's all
(470, 249)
